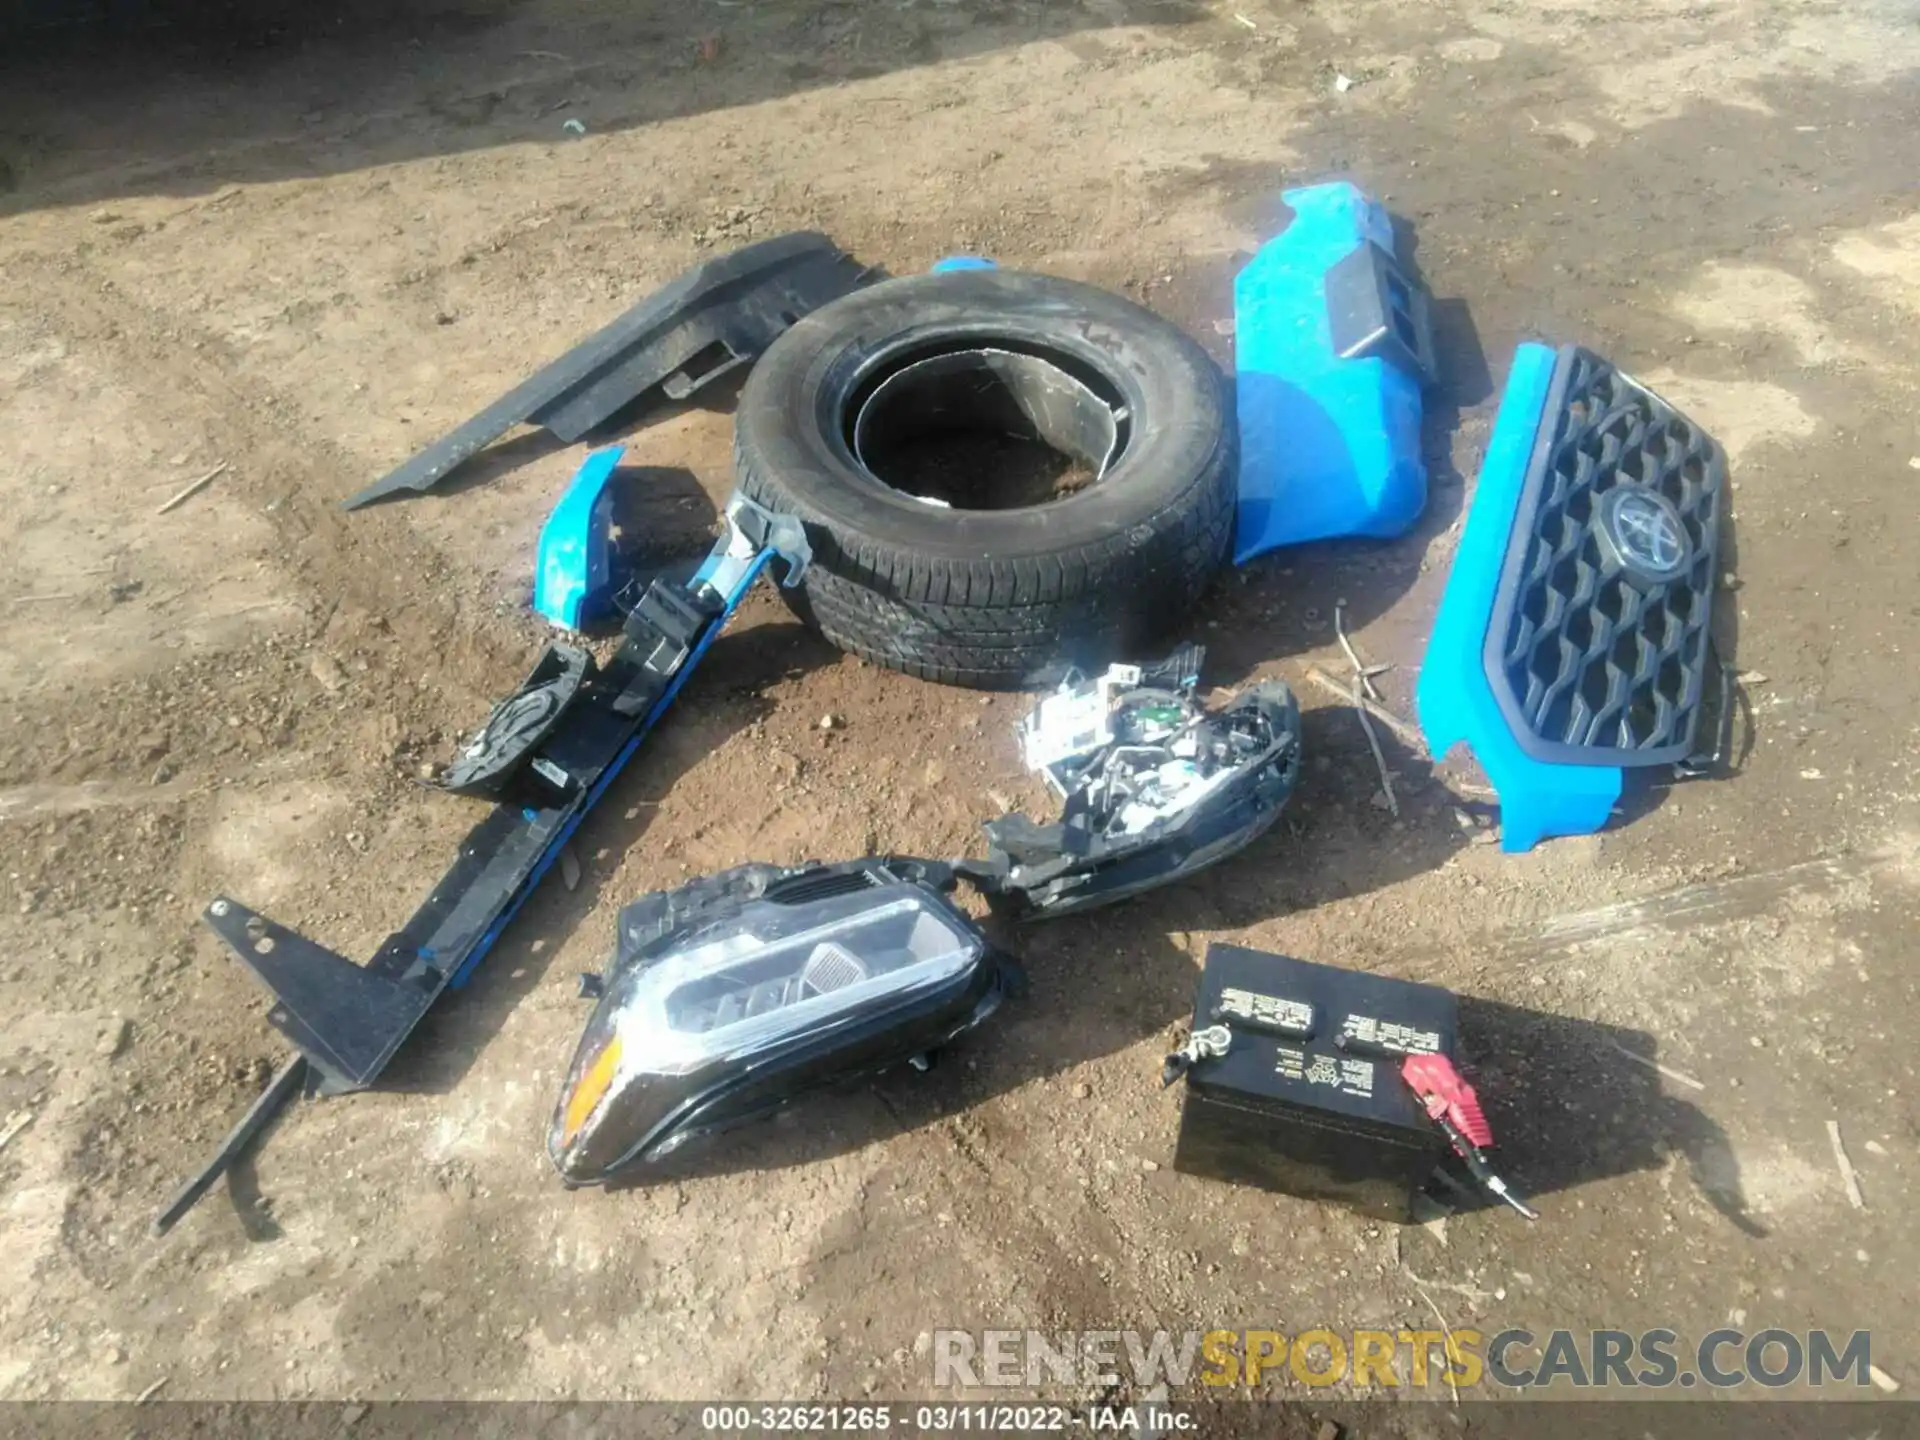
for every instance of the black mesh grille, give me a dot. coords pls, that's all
(1595, 659)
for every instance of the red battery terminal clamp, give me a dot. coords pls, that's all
(1451, 1104)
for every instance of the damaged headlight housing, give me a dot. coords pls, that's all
(1153, 785)
(737, 994)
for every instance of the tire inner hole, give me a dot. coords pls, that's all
(986, 428)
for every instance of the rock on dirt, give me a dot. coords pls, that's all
(328, 671)
(114, 1039)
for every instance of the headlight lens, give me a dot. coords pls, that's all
(696, 1018)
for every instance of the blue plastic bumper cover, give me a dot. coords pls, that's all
(1332, 349)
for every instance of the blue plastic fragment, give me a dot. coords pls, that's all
(963, 262)
(1329, 443)
(1455, 698)
(572, 568)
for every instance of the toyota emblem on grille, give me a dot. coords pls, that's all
(1646, 534)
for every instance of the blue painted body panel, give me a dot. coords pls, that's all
(572, 568)
(1456, 700)
(1329, 445)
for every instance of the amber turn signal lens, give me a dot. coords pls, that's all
(591, 1089)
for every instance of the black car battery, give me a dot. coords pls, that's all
(1308, 1097)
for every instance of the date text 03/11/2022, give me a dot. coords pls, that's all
(944, 1419)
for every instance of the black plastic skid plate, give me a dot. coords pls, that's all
(718, 316)
(1594, 659)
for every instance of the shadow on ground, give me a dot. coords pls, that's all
(1565, 1112)
(128, 97)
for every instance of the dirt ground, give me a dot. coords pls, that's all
(306, 253)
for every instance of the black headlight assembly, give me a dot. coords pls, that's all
(742, 991)
(1154, 786)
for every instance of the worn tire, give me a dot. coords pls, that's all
(994, 598)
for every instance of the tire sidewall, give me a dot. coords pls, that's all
(793, 416)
